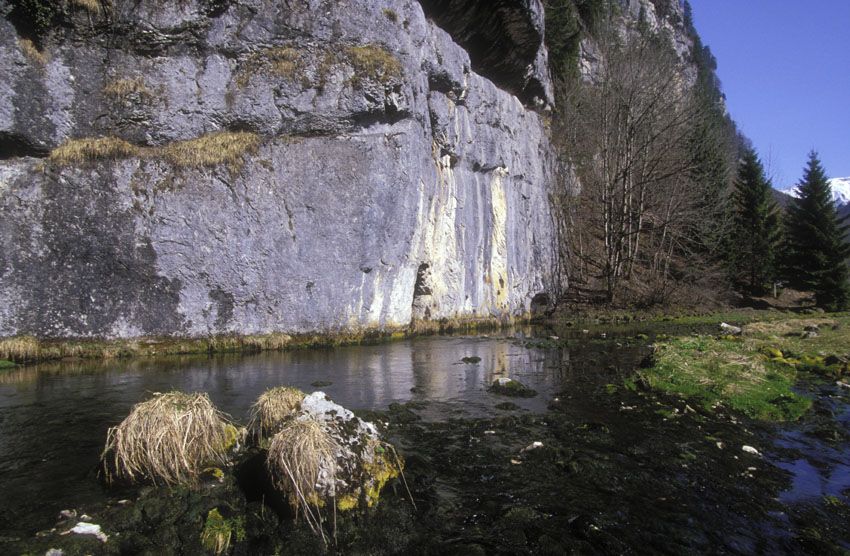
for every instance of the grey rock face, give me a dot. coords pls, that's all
(392, 182)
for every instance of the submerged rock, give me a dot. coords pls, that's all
(510, 387)
(92, 529)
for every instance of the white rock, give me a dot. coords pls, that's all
(533, 446)
(82, 528)
(750, 450)
(720, 445)
(67, 514)
(842, 384)
(729, 329)
(55, 552)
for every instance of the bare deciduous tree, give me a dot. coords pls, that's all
(628, 132)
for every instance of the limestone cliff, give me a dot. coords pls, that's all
(213, 166)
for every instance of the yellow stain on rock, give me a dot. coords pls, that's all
(498, 272)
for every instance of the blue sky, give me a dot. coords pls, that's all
(785, 69)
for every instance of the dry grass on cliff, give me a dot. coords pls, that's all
(91, 6)
(373, 62)
(32, 52)
(213, 149)
(84, 151)
(272, 409)
(119, 88)
(168, 439)
(280, 61)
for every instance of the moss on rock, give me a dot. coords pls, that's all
(511, 387)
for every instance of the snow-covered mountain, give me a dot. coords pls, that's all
(840, 191)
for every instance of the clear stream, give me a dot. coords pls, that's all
(54, 417)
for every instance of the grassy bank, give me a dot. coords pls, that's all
(683, 317)
(29, 349)
(753, 373)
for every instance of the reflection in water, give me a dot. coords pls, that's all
(823, 468)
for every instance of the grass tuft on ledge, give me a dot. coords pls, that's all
(210, 150)
(373, 62)
(125, 86)
(81, 152)
(94, 7)
(213, 149)
(32, 52)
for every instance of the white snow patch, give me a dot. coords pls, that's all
(840, 191)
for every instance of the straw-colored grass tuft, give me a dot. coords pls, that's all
(213, 149)
(20, 348)
(302, 457)
(169, 439)
(32, 52)
(92, 6)
(373, 62)
(272, 409)
(87, 150)
(120, 88)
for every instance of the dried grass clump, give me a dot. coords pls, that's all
(281, 61)
(120, 88)
(272, 409)
(20, 348)
(373, 62)
(783, 327)
(284, 61)
(302, 455)
(32, 52)
(168, 439)
(91, 6)
(223, 147)
(84, 151)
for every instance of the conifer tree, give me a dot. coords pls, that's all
(756, 233)
(816, 252)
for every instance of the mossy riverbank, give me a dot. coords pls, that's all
(754, 372)
(29, 349)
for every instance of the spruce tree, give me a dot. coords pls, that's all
(756, 235)
(816, 252)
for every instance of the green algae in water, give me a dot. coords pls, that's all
(6, 364)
